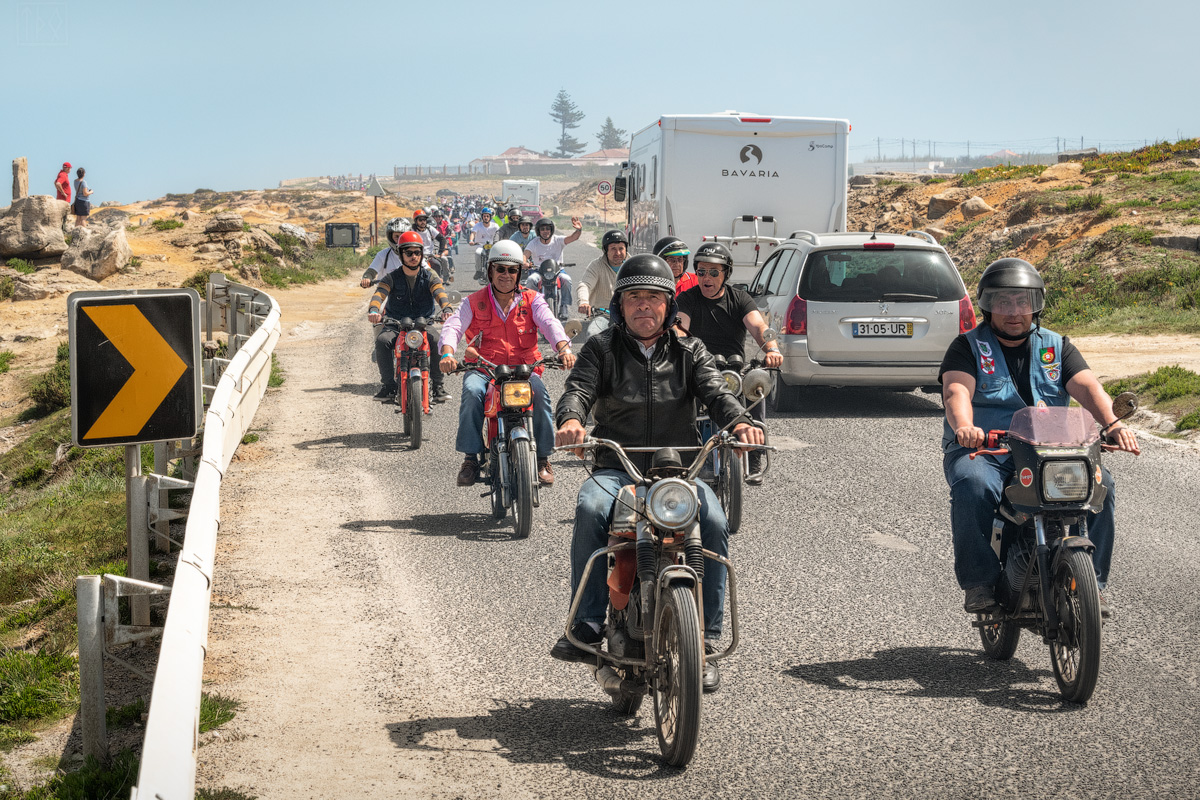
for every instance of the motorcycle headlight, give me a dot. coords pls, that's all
(413, 339)
(733, 381)
(672, 504)
(517, 394)
(1065, 481)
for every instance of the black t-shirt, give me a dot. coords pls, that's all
(719, 323)
(960, 358)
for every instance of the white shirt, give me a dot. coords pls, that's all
(385, 261)
(541, 250)
(485, 234)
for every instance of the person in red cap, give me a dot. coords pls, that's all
(63, 182)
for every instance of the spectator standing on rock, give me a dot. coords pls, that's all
(63, 182)
(82, 206)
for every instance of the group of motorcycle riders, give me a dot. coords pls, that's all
(640, 381)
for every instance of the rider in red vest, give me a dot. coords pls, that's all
(507, 319)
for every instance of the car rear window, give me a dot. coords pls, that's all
(855, 275)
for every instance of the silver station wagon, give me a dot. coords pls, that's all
(861, 309)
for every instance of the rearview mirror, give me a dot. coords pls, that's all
(756, 384)
(453, 297)
(1125, 404)
(572, 328)
(770, 335)
(619, 187)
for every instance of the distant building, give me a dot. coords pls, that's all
(523, 161)
(920, 167)
(1002, 155)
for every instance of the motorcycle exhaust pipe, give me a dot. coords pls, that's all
(612, 683)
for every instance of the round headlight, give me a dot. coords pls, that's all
(672, 504)
(733, 381)
(413, 339)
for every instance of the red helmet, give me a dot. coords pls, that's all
(420, 212)
(410, 237)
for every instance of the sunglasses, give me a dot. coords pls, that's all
(413, 251)
(710, 273)
(506, 270)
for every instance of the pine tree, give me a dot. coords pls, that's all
(567, 114)
(610, 136)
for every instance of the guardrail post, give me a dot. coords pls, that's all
(162, 528)
(89, 616)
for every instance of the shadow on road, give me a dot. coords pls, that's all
(360, 389)
(860, 402)
(379, 442)
(467, 527)
(938, 672)
(582, 735)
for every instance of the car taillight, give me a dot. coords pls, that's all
(879, 245)
(797, 316)
(966, 315)
(755, 119)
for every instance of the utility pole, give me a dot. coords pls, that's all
(878, 150)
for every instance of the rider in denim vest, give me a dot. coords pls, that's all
(1006, 363)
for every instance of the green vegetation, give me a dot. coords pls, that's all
(166, 224)
(22, 266)
(1088, 202)
(216, 710)
(1002, 172)
(960, 232)
(276, 378)
(7, 287)
(6, 359)
(94, 781)
(250, 438)
(126, 715)
(37, 685)
(311, 267)
(1140, 160)
(199, 281)
(51, 390)
(134, 262)
(1173, 391)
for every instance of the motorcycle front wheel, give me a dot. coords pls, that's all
(412, 414)
(522, 488)
(1075, 654)
(730, 488)
(677, 688)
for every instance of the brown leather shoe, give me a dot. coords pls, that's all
(468, 474)
(545, 473)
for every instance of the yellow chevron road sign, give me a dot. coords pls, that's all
(135, 366)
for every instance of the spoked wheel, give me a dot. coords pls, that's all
(1075, 654)
(1000, 638)
(398, 399)
(498, 509)
(730, 487)
(523, 474)
(413, 414)
(677, 690)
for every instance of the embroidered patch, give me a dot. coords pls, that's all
(985, 349)
(988, 365)
(1049, 366)
(1053, 374)
(1046, 354)
(1041, 405)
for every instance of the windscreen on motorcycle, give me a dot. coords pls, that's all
(1054, 425)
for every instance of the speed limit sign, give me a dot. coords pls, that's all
(604, 187)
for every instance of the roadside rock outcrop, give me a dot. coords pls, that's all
(1068, 170)
(32, 227)
(97, 252)
(50, 283)
(309, 239)
(225, 222)
(975, 207)
(942, 204)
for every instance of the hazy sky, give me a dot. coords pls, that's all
(157, 97)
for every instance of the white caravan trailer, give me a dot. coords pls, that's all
(748, 180)
(521, 193)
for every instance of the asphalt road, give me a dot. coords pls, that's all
(858, 674)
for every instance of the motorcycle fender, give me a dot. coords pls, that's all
(415, 372)
(620, 579)
(518, 433)
(1066, 545)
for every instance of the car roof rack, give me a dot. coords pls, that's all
(809, 235)
(926, 235)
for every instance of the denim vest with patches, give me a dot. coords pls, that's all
(996, 397)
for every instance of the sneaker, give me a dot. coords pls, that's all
(979, 600)
(545, 473)
(712, 676)
(468, 473)
(439, 394)
(1106, 609)
(385, 392)
(756, 465)
(563, 650)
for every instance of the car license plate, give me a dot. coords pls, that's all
(901, 329)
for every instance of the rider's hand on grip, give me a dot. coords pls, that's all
(571, 432)
(374, 318)
(585, 308)
(448, 365)
(970, 436)
(748, 434)
(471, 354)
(1123, 438)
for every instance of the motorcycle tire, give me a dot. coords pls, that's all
(498, 509)
(523, 475)
(412, 415)
(407, 423)
(1075, 654)
(1000, 640)
(730, 487)
(677, 690)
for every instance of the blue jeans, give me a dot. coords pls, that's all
(593, 515)
(975, 490)
(470, 416)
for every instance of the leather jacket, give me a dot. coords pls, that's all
(645, 403)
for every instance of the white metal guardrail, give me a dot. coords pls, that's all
(168, 765)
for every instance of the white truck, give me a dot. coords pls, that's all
(521, 193)
(747, 180)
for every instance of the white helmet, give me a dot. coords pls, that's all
(507, 251)
(395, 226)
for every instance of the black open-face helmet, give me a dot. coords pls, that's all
(544, 222)
(670, 246)
(714, 253)
(1017, 282)
(644, 271)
